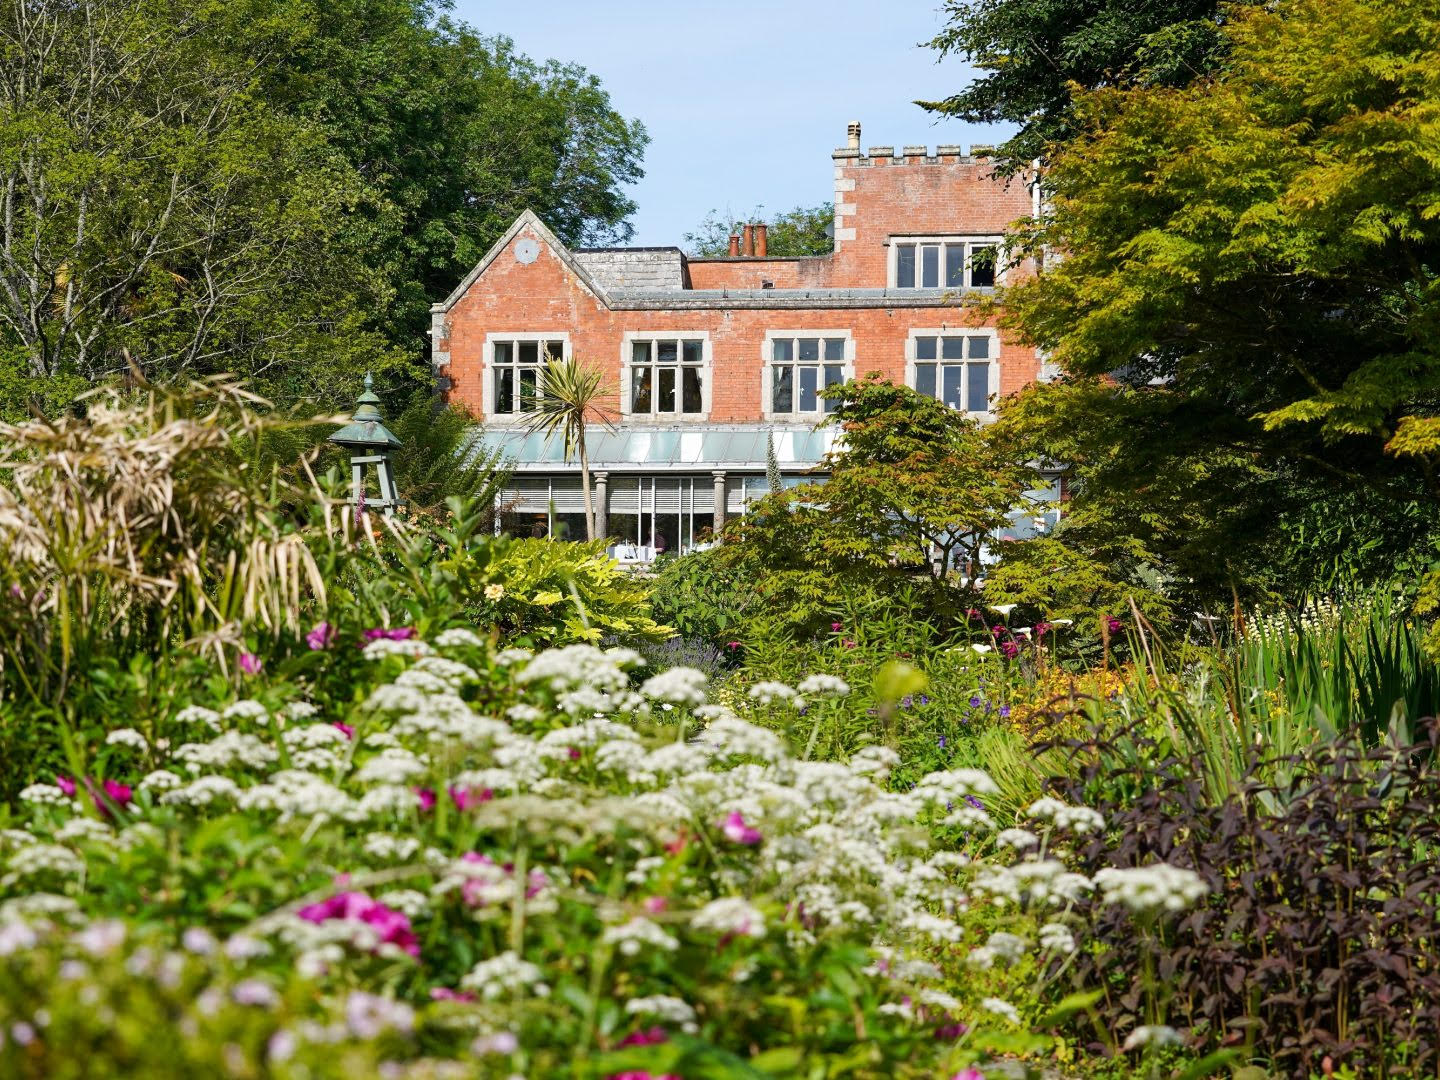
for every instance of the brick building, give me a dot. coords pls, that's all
(712, 357)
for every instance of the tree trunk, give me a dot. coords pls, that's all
(585, 486)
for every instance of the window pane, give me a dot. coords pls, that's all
(905, 266)
(503, 353)
(952, 378)
(527, 389)
(924, 348)
(665, 400)
(693, 352)
(665, 352)
(979, 348)
(691, 398)
(930, 266)
(504, 389)
(978, 394)
(555, 350)
(952, 348)
(809, 349)
(784, 350)
(834, 374)
(640, 352)
(640, 389)
(783, 398)
(529, 352)
(834, 348)
(982, 265)
(925, 379)
(954, 266)
(809, 384)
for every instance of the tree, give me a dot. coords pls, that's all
(570, 396)
(1248, 309)
(1036, 53)
(155, 207)
(798, 232)
(457, 133)
(915, 491)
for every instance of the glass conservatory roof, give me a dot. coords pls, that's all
(715, 446)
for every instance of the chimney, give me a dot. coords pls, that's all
(760, 239)
(853, 132)
(747, 240)
(734, 245)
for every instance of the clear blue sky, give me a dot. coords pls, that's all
(745, 100)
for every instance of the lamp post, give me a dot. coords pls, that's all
(370, 443)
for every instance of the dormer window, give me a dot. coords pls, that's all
(945, 262)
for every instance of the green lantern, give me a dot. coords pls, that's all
(370, 443)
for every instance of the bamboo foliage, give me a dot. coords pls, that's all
(147, 513)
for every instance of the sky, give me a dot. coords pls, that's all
(745, 100)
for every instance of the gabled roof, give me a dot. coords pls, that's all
(526, 219)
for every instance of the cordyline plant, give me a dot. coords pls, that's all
(1321, 935)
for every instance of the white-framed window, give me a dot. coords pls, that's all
(514, 363)
(957, 367)
(801, 363)
(666, 374)
(945, 262)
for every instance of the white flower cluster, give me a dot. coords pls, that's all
(678, 685)
(503, 975)
(127, 736)
(819, 685)
(1076, 819)
(1147, 890)
(638, 933)
(767, 693)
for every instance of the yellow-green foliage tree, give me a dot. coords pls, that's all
(1247, 304)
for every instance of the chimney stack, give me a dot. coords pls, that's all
(760, 231)
(853, 132)
(747, 240)
(734, 245)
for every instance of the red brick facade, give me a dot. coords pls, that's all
(881, 198)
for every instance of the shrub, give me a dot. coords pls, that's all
(1321, 935)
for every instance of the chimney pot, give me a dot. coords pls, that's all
(747, 240)
(760, 231)
(734, 244)
(853, 134)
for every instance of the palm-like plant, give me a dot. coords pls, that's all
(569, 396)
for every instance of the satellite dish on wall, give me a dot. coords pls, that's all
(527, 250)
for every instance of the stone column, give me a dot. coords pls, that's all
(602, 504)
(719, 475)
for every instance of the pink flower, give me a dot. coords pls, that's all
(641, 1075)
(468, 798)
(321, 637)
(1113, 624)
(65, 784)
(397, 633)
(346, 728)
(574, 752)
(118, 793)
(732, 645)
(654, 905)
(737, 832)
(393, 927)
(969, 1074)
(647, 1037)
(426, 798)
(1010, 649)
(848, 643)
(444, 993)
(250, 664)
(835, 626)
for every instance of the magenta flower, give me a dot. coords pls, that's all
(968, 1074)
(65, 784)
(346, 728)
(321, 637)
(396, 633)
(1113, 624)
(444, 993)
(393, 927)
(119, 794)
(469, 798)
(732, 645)
(1010, 649)
(835, 626)
(426, 798)
(250, 664)
(646, 1037)
(737, 832)
(642, 1075)
(654, 905)
(848, 643)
